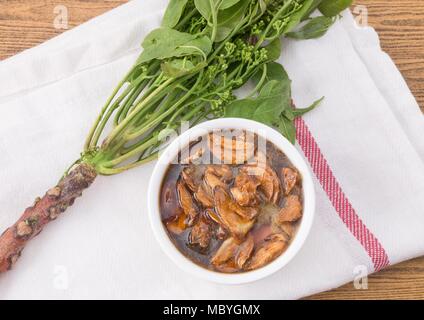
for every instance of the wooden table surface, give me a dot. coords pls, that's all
(400, 23)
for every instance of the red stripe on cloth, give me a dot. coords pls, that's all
(338, 198)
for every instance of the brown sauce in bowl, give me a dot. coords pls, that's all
(232, 211)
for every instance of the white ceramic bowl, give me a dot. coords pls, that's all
(155, 188)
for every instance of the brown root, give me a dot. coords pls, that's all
(44, 210)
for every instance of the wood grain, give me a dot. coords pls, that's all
(400, 24)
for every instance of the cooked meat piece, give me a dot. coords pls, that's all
(186, 203)
(244, 212)
(190, 177)
(234, 148)
(222, 171)
(228, 267)
(204, 197)
(253, 170)
(193, 176)
(244, 252)
(270, 249)
(200, 234)
(220, 233)
(211, 214)
(271, 185)
(237, 225)
(244, 190)
(217, 175)
(177, 224)
(232, 255)
(292, 210)
(288, 228)
(269, 181)
(289, 179)
(247, 181)
(242, 197)
(226, 251)
(213, 181)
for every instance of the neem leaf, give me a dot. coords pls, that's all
(229, 18)
(160, 42)
(225, 4)
(287, 129)
(314, 28)
(204, 7)
(173, 13)
(301, 112)
(278, 94)
(274, 49)
(297, 16)
(165, 43)
(331, 8)
(176, 68)
(312, 8)
(260, 109)
(276, 88)
(200, 46)
(273, 105)
(267, 107)
(136, 74)
(263, 5)
(275, 71)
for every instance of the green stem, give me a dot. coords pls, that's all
(171, 99)
(260, 83)
(104, 109)
(156, 106)
(123, 111)
(176, 114)
(222, 45)
(157, 120)
(130, 154)
(105, 119)
(186, 18)
(122, 139)
(214, 21)
(150, 125)
(140, 106)
(111, 171)
(270, 24)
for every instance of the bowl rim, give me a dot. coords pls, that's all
(155, 184)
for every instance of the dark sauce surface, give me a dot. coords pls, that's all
(170, 208)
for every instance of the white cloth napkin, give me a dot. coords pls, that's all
(369, 129)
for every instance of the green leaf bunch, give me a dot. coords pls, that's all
(190, 67)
